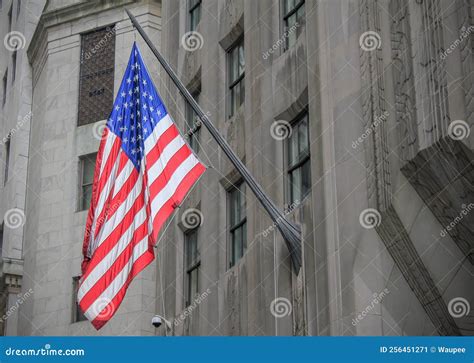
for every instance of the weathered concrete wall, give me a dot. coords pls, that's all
(55, 229)
(345, 265)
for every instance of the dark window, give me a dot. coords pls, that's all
(1, 240)
(236, 76)
(194, 7)
(13, 66)
(5, 85)
(7, 161)
(87, 179)
(193, 261)
(77, 314)
(299, 172)
(193, 125)
(10, 18)
(293, 20)
(238, 223)
(96, 80)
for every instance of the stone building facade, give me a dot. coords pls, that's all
(355, 117)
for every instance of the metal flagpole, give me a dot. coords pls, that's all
(291, 232)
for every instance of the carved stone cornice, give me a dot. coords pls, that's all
(374, 109)
(70, 13)
(402, 70)
(12, 283)
(443, 176)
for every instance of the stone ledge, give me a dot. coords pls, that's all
(443, 176)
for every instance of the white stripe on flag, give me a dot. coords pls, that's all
(165, 156)
(159, 130)
(116, 218)
(169, 189)
(102, 267)
(112, 290)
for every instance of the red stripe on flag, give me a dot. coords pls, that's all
(119, 262)
(138, 266)
(110, 204)
(173, 164)
(97, 187)
(114, 237)
(177, 198)
(168, 136)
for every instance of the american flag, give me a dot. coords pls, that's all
(143, 171)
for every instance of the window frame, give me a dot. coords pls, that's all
(1, 238)
(191, 9)
(240, 79)
(286, 15)
(14, 64)
(193, 129)
(302, 158)
(77, 314)
(80, 199)
(194, 266)
(240, 225)
(5, 87)
(7, 160)
(10, 18)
